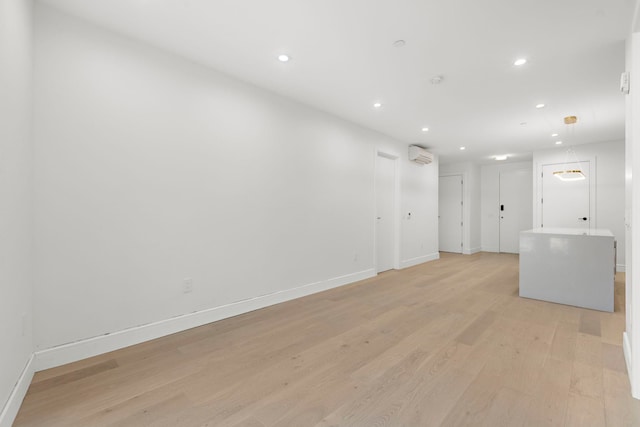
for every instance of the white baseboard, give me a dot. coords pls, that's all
(621, 268)
(419, 260)
(94, 346)
(490, 249)
(11, 408)
(626, 347)
(471, 251)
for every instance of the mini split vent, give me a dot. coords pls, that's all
(420, 155)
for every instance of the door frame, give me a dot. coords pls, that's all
(466, 213)
(395, 157)
(593, 172)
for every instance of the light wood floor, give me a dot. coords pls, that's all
(444, 343)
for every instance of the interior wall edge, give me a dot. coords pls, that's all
(12, 406)
(626, 347)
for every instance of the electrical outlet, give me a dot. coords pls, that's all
(187, 285)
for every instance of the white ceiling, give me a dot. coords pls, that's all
(343, 60)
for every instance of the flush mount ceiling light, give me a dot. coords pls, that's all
(558, 142)
(377, 105)
(503, 157)
(519, 62)
(463, 148)
(539, 106)
(554, 134)
(436, 80)
(284, 58)
(425, 129)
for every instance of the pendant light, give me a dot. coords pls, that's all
(574, 173)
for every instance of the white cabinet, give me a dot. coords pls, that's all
(568, 266)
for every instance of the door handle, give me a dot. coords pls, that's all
(584, 218)
(379, 217)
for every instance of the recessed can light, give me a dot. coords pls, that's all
(284, 58)
(463, 148)
(425, 129)
(399, 43)
(503, 157)
(558, 142)
(377, 105)
(520, 62)
(540, 106)
(523, 123)
(554, 134)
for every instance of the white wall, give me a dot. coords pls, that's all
(16, 341)
(490, 201)
(151, 169)
(471, 203)
(632, 215)
(610, 185)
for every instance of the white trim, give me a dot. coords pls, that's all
(12, 406)
(626, 347)
(465, 210)
(94, 346)
(419, 260)
(621, 268)
(489, 249)
(471, 251)
(396, 207)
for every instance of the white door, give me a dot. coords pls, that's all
(516, 208)
(450, 213)
(385, 218)
(565, 203)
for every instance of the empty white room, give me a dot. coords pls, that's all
(319, 213)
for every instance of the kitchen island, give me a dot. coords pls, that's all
(568, 266)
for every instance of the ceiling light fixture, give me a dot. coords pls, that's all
(503, 157)
(463, 148)
(540, 106)
(570, 173)
(554, 134)
(399, 43)
(377, 105)
(425, 129)
(520, 62)
(284, 58)
(558, 142)
(436, 80)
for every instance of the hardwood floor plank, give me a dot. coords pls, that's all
(447, 342)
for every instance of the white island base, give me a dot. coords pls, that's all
(568, 266)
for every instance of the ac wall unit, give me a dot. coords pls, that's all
(420, 155)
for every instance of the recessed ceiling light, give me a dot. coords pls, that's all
(540, 106)
(554, 134)
(523, 123)
(504, 157)
(558, 142)
(425, 129)
(520, 62)
(463, 148)
(284, 58)
(377, 105)
(436, 80)
(399, 43)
